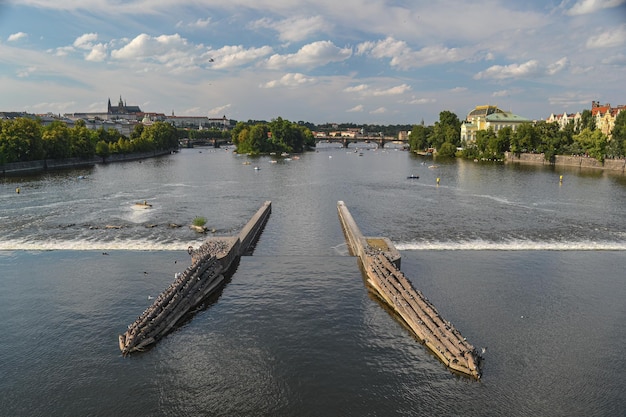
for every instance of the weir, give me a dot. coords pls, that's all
(381, 262)
(209, 263)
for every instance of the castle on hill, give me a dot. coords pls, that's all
(122, 108)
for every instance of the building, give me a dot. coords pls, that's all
(486, 117)
(564, 119)
(122, 109)
(605, 116)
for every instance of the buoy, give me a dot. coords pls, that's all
(17, 190)
(437, 180)
(561, 178)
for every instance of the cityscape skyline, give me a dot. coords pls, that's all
(380, 62)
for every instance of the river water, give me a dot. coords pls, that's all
(526, 267)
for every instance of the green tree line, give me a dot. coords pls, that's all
(575, 139)
(279, 135)
(26, 139)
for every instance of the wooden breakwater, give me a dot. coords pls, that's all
(209, 263)
(381, 262)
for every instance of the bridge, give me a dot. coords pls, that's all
(344, 141)
(379, 140)
(215, 142)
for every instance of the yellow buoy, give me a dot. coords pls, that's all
(17, 190)
(437, 180)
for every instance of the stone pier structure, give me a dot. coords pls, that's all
(381, 262)
(209, 264)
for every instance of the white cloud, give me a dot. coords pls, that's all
(501, 93)
(219, 111)
(289, 80)
(25, 72)
(293, 29)
(423, 100)
(233, 56)
(558, 66)
(365, 90)
(97, 54)
(608, 39)
(356, 109)
(458, 89)
(379, 110)
(315, 54)
(399, 89)
(17, 36)
(85, 41)
(146, 46)
(172, 52)
(198, 24)
(592, 6)
(500, 72)
(357, 88)
(63, 50)
(403, 57)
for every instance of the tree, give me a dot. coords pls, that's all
(447, 149)
(502, 142)
(279, 135)
(525, 139)
(483, 137)
(593, 143)
(257, 138)
(56, 140)
(82, 140)
(20, 140)
(618, 135)
(418, 138)
(163, 135)
(549, 139)
(587, 121)
(102, 149)
(447, 129)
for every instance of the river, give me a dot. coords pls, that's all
(526, 267)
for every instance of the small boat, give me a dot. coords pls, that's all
(411, 177)
(256, 168)
(142, 205)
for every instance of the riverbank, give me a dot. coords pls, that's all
(618, 165)
(33, 167)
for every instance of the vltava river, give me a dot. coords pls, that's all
(529, 269)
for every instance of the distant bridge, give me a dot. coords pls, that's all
(215, 142)
(345, 141)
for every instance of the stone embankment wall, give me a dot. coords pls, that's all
(31, 167)
(568, 160)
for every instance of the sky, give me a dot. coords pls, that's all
(320, 61)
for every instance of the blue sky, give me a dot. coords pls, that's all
(360, 61)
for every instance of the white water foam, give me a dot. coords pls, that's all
(513, 245)
(95, 245)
